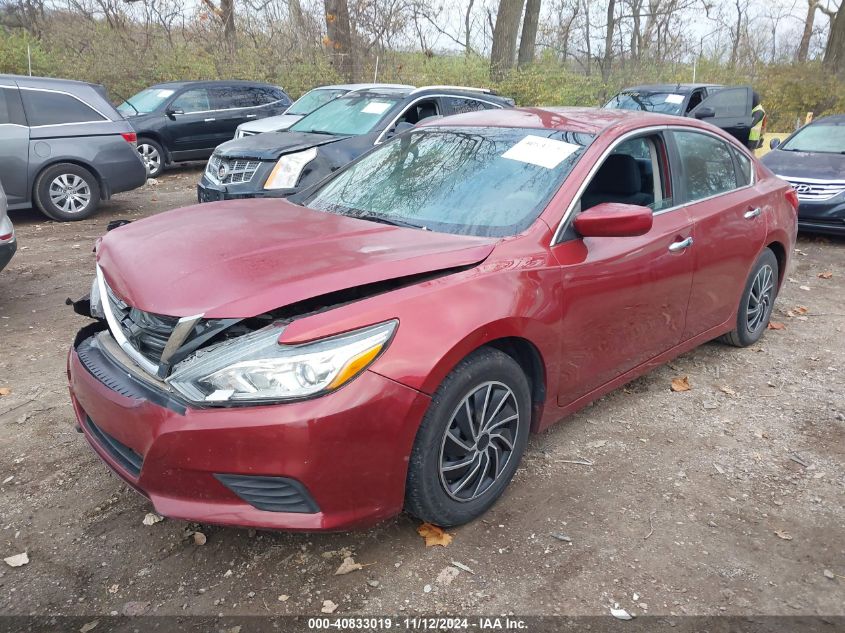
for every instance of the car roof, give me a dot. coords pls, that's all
(26, 80)
(211, 82)
(361, 87)
(677, 88)
(833, 119)
(588, 120)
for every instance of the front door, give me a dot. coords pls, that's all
(624, 298)
(192, 124)
(729, 109)
(717, 183)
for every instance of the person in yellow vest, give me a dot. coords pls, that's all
(758, 123)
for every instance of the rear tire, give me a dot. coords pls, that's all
(66, 192)
(470, 441)
(153, 156)
(756, 303)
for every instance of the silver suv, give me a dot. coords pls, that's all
(8, 245)
(63, 147)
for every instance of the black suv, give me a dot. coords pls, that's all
(278, 164)
(186, 120)
(728, 108)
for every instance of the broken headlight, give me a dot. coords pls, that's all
(255, 368)
(286, 173)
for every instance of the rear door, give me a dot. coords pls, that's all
(234, 105)
(716, 182)
(14, 144)
(729, 109)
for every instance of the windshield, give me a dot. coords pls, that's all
(469, 181)
(312, 100)
(817, 137)
(663, 102)
(148, 100)
(351, 115)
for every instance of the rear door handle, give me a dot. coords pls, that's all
(209, 120)
(753, 213)
(251, 116)
(674, 247)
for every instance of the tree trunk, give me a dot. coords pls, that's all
(834, 52)
(809, 23)
(339, 37)
(608, 40)
(468, 28)
(737, 34)
(227, 15)
(587, 38)
(528, 39)
(504, 37)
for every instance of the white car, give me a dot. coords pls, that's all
(306, 104)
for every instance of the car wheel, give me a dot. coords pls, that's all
(471, 440)
(758, 299)
(153, 156)
(66, 192)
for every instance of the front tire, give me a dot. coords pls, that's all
(66, 192)
(470, 441)
(153, 156)
(756, 303)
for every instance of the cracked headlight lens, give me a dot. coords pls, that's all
(255, 368)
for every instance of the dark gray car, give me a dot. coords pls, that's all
(8, 245)
(63, 147)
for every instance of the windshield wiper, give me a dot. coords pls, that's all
(392, 221)
(317, 132)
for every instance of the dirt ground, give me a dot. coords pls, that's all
(725, 499)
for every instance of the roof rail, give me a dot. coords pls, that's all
(469, 88)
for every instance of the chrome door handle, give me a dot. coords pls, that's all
(753, 213)
(251, 116)
(209, 120)
(674, 247)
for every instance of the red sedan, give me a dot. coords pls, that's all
(388, 339)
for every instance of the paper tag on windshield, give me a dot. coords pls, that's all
(541, 151)
(376, 107)
(163, 93)
(674, 98)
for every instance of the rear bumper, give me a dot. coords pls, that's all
(7, 251)
(340, 460)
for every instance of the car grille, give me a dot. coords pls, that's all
(128, 459)
(233, 171)
(147, 332)
(813, 190)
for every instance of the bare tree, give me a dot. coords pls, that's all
(834, 52)
(505, 35)
(225, 12)
(528, 39)
(608, 40)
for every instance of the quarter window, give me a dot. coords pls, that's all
(194, 100)
(744, 168)
(56, 108)
(11, 110)
(707, 167)
(461, 104)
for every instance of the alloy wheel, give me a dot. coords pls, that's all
(479, 441)
(150, 156)
(760, 298)
(70, 193)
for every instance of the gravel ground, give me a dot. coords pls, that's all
(724, 499)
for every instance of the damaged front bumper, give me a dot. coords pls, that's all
(329, 463)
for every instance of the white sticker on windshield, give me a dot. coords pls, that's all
(163, 93)
(541, 151)
(674, 98)
(376, 107)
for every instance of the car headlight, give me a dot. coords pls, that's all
(288, 169)
(256, 368)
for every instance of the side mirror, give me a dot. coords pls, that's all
(399, 128)
(172, 112)
(704, 113)
(774, 143)
(613, 219)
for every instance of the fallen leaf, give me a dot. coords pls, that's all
(825, 275)
(18, 560)
(5, 391)
(786, 536)
(89, 626)
(328, 607)
(152, 518)
(434, 535)
(199, 538)
(348, 566)
(681, 384)
(775, 325)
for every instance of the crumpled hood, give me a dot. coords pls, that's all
(241, 258)
(271, 145)
(816, 165)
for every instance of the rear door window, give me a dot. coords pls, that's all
(706, 165)
(11, 110)
(45, 107)
(457, 105)
(728, 103)
(193, 100)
